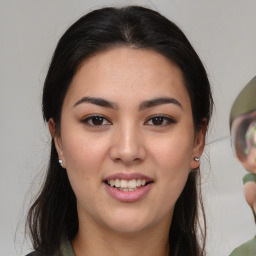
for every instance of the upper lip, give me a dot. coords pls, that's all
(128, 176)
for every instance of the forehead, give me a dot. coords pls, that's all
(125, 73)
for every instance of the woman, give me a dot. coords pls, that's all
(127, 101)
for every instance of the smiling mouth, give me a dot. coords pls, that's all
(127, 185)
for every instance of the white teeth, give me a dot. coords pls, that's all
(127, 189)
(126, 185)
(117, 183)
(132, 184)
(138, 183)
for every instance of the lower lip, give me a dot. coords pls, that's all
(129, 196)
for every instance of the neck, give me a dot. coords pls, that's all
(96, 241)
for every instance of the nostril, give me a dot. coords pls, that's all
(127, 150)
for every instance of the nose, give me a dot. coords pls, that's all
(127, 145)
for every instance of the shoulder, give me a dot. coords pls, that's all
(31, 254)
(64, 250)
(248, 248)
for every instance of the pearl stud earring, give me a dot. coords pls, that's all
(196, 159)
(60, 161)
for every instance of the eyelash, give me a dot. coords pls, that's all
(167, 120)
(90, 119)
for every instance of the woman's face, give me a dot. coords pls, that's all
(127, 139)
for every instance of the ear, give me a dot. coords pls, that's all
(199, 144)
(57, 140)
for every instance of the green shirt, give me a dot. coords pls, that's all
(249, 177)
(66, 249)
(246, 249)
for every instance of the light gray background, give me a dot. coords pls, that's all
(224, 35)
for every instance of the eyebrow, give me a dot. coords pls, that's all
(97, 101)
(159, 101)
(144, 105)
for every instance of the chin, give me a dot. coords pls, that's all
(129, 223)
(126, 228)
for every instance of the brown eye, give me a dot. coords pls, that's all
(160, 121)
(96, 121)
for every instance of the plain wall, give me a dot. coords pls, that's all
(223, 34)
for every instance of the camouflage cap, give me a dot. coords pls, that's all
(245, 101)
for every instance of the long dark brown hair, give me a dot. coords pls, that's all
(54, 211)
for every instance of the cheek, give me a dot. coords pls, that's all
(173, 155)
(172, 160)
(83, 154)
(84, 157)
